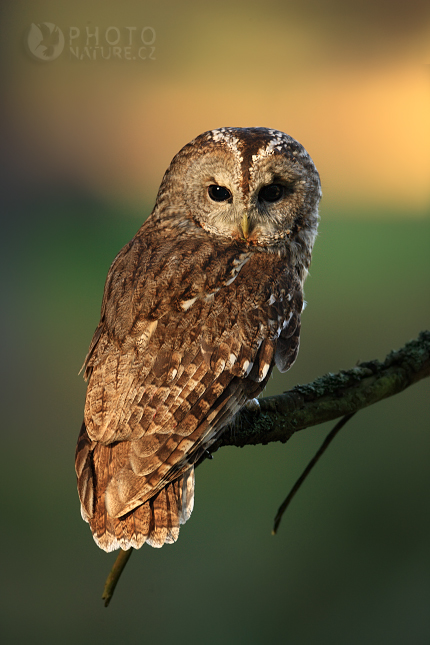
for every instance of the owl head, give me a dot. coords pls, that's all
(256, 186)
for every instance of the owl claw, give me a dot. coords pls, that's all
(253, 405)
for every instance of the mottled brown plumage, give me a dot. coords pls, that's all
(197, 309)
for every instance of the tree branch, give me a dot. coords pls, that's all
(331, 396)
(277, 418)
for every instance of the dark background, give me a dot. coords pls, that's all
(85, 144)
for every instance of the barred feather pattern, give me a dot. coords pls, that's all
(191, 326)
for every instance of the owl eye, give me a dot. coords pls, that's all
(219, 193)
(271, 193)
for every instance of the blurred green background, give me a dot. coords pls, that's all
(85, 144)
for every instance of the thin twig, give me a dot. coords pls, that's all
(114, 575)
(331, 435)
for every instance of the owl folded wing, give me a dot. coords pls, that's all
(161, 398)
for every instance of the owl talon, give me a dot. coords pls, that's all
(253, 405)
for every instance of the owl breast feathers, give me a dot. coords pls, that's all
(197, 309)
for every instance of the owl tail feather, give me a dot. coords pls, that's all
(156, 521)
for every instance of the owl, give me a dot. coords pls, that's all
(197, 309)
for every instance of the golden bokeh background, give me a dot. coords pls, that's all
(86, 139)
(350, 83)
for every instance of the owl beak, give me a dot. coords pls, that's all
(245, 225)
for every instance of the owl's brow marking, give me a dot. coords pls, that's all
(252, 142)
(280, 142)
(276, 143)
(256, 143)
(225, 135)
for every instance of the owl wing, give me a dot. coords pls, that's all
(170, 368)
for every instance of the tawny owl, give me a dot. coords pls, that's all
(197, 309)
